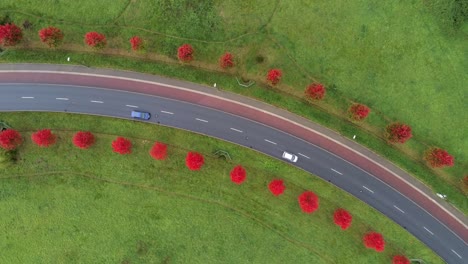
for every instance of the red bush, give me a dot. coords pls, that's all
(122, 146)
(274, 76)
(43, 138)
(185, 53)
(194, 161)
(95, 40)
(238, 174)
(83, 140)
(342, 218)
(159, 151)
(276, 187)
(359, 111)
(308, 201)
(10, 35)
(10, 139)
(136, 43)
(51, 36)
(374, 240)
(315, 91)
(226, 61)
(439, 158)
(400, 260)
(398, 132)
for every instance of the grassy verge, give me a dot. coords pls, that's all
(70, 205)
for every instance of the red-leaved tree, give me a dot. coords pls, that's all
(308, 201)
(359, 112)
(398, 132)
(439, 158)
(95, 40)
(315, 91)
(194, 161)
(375, 241)
(276, 187)
(122, 146)
(185, 53)
(51, 36)
(10, 35)
(238, 174)
(136, 42)
(159, 151)
(226, 61)
(10, 139)
(83, 140)
(274, 76)
(43, 138)
(399, 259)
(342, 218)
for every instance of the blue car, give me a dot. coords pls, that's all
(141, 115)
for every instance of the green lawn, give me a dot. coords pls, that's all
(66, 205)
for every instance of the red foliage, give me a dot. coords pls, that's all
(400, 260)
(276, 187)
(185, 53)
(122, 146)
(10, 139)
(10, 35)
(51, 36)
(83, 140)
(226, 61)
(136, 42)
(43, 138)
(95, 40)
(194, 160)
(159, 151)
(308, 201)
(238, 174)
(374, 240)
(398, 132)
(342, 218)
(315, 91)
(439, 158)
(274, 76)
(359, 111)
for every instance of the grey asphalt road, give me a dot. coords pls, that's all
(178, 114)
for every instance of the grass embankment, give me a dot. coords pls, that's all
(70, 205)
(403, 59)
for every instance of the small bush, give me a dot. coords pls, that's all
(315, 91)
(276, 187)
(194, 160)
(226, 61)
(439, 158)
(398, 133)
(122, 146)
(95, 40)
(10, 35)
(83, 140)
(308, 201)
(43, 138)
(400, 260)
(159, 151)
(51, 36)
(238, 174)
(359, 112)
(375, 241)
(10, 139)
(342, 218)
(274, 76)
(136, 43)
(185, 53)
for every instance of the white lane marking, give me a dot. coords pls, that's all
(303, 155)
(61, 98)
(133, 106)
(98, 102)
(240, 131)
(368, 189)
(430, 232)
(456, 253)
(27, 97)
(274, 143)
(398, 209)
(337, 171)
(166, 112)
(201, 120)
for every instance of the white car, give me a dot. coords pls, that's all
(289, 156)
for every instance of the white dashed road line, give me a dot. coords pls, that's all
(456, 253)
(27, 97)
(303, 155)
(429, 231)
(133, 106)
(98, 102)
(240, 131)
(201, 120)
(166, 112)
(337, 171)
(368, 189)
(274, 143)
(399, 209)
(61, 98)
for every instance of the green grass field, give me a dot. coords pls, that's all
(66, 205)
